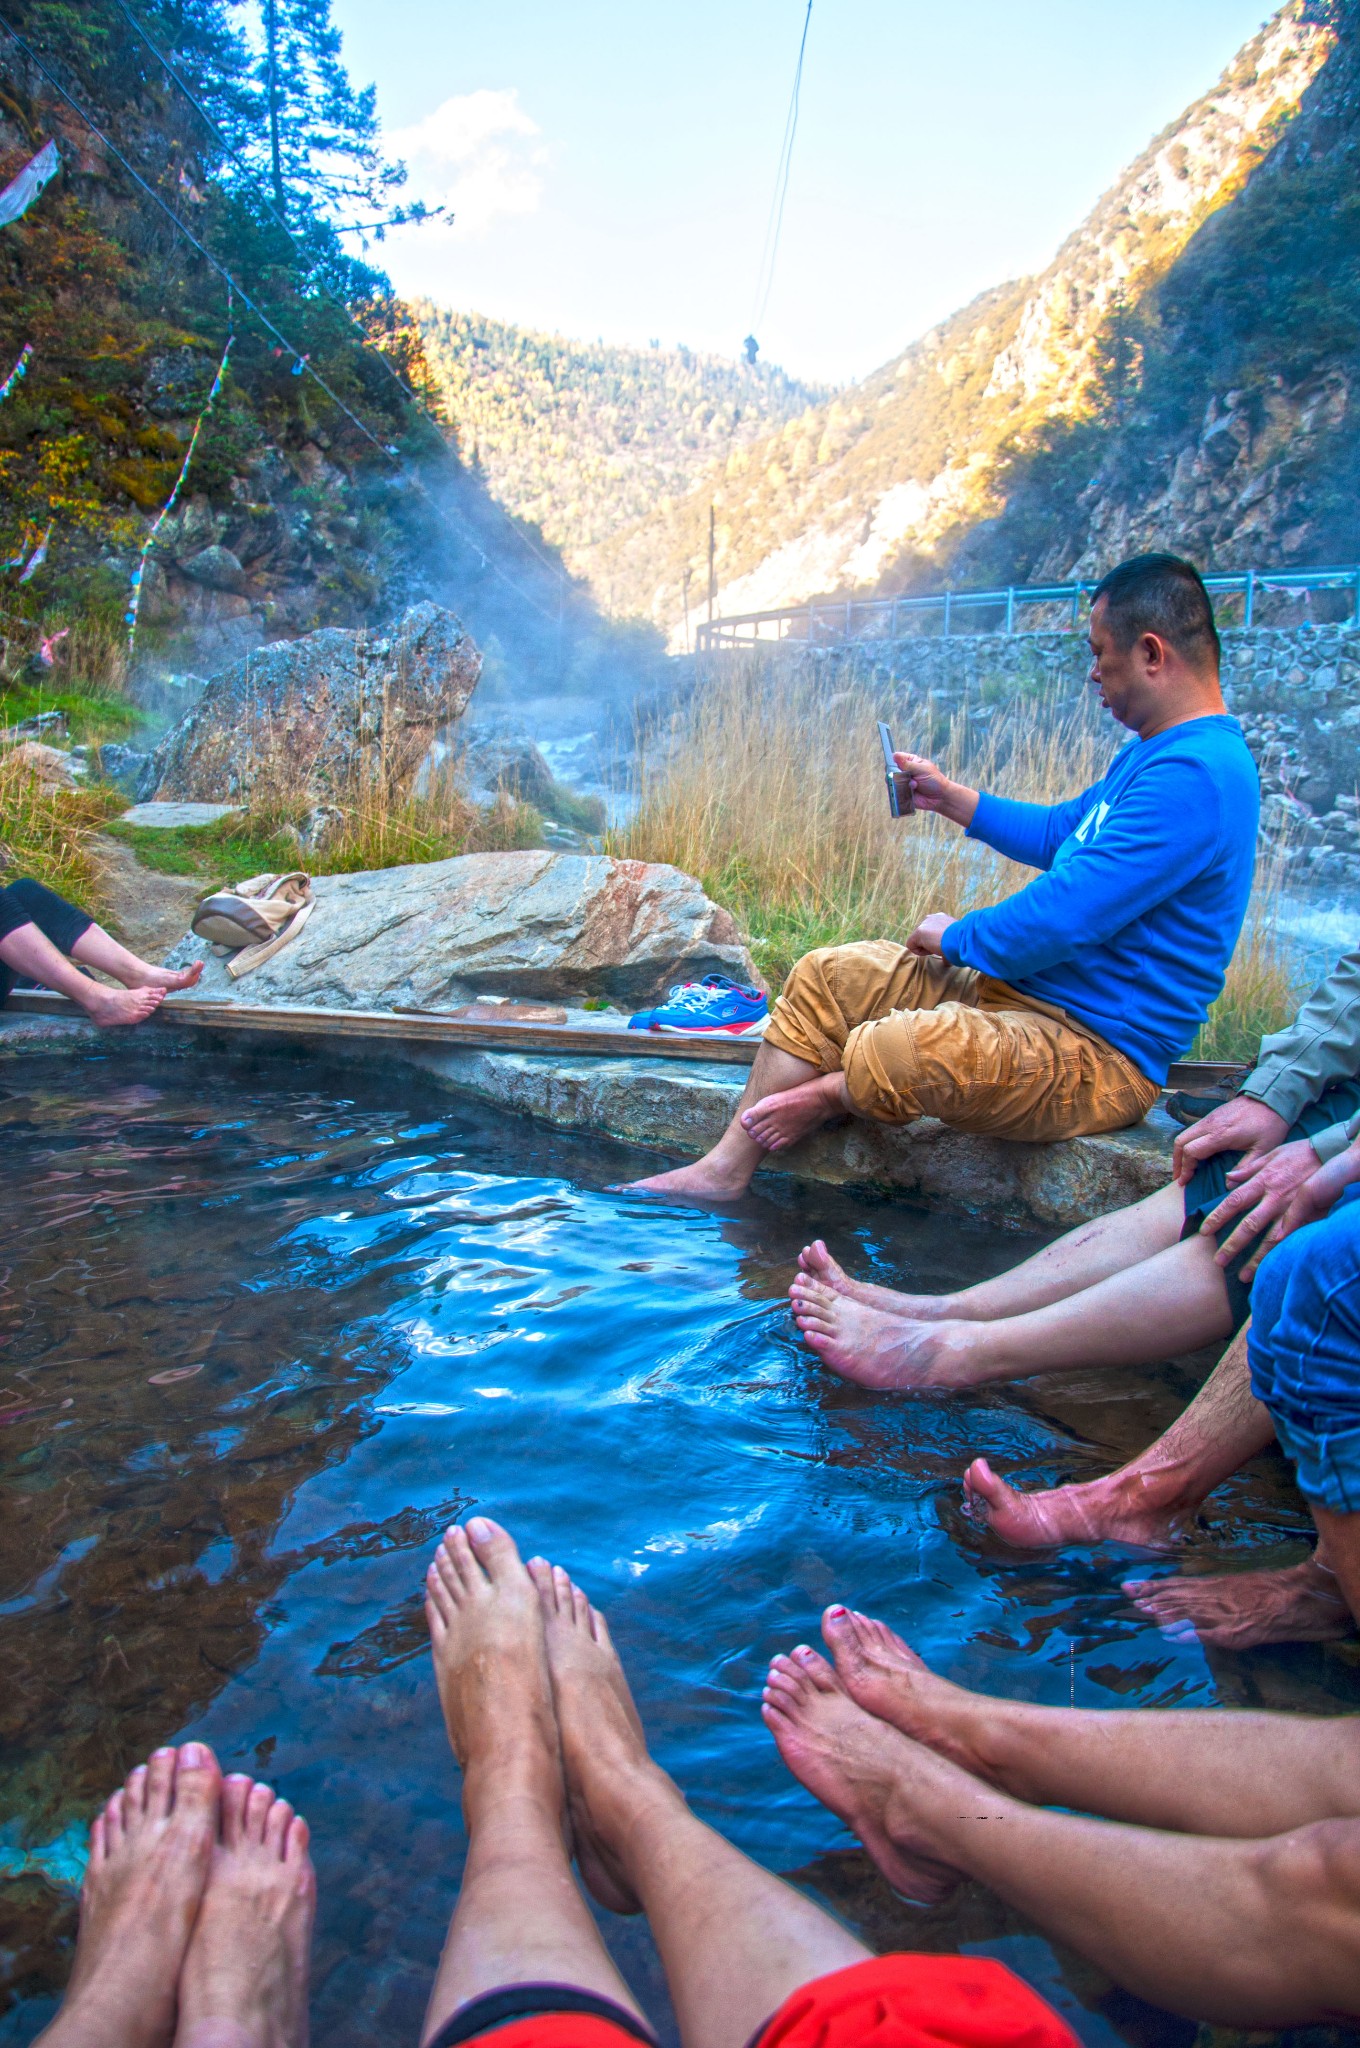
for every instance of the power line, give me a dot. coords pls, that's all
(299, 358)
(770, 252)
(279, 222)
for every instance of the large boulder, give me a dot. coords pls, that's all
(324, 719)
(537, 924)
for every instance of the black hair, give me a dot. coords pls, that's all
(1161, 594)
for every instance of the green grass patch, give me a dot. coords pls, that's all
(90, 720)
(220, 852)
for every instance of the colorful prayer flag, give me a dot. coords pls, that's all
(21, 192)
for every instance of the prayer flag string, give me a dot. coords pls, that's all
(19, 370)
(135, 594)
(21, 192)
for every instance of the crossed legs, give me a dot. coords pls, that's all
(1119, 1291)
(41, 934)
(1224, 1884)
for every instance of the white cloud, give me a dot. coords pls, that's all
(478, 154)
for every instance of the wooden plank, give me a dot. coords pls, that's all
(426, 1027)
(429, 1027)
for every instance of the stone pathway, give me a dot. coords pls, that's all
(149, 912)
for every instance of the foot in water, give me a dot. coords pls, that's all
(889, 1680)
(883, 1351)
(244, 1983)
(778, 1121)
(604, 1751)
(858, 1766)
(1240, 1610)
(150, 1853)
(1114, 1509)
(491, 1668)
(702, 1182)
(815, 1263)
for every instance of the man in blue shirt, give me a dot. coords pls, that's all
(1057, 1012)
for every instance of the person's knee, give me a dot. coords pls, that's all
(31, 898)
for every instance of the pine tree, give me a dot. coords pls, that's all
(321, 135)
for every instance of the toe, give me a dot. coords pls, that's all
(259, 1800)
(580, 1606)
(113, 1819)
(276, 1824)
(815, 1667)
(541, 1572)
(494, 1548)
(198, 1781)
(297, 1842)
(562, 1594)
(235, 1792)
(459, 1569)
(135, 1796)
(439, 1602)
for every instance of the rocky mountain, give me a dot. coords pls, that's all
(1184, 373)
(583, 438)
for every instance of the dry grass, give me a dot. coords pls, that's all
(771, 792)
(48, 834)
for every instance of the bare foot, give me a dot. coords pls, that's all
(1119, 1508)
(119, 1005)
(778, 1121)
(816, 1263)
(491, 1667)
(600, 1729)
(855, 1765)
(150, 1851)
(876, 1350)
(885, 1676)
(169, 979)
(702, 1182)
(244, 1983)
(1238, 1611)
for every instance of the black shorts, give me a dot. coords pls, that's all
(1208, 1184)
(30, 903)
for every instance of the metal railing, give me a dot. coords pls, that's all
(1029, 608)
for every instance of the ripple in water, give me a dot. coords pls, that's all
(263, 1336)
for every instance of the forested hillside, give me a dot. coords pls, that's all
(583, 438)
(318, 492)
(1184, 373)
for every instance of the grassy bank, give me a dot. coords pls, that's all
(771, 792)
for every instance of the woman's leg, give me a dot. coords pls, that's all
(736, 1941)
(520, 1918)
(1247, 1933)
(1195, 1769)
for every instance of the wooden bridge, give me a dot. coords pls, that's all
(1028, 608)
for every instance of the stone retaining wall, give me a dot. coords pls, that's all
(679, 1108)
(1296, 691)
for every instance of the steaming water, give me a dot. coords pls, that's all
(264, 1335)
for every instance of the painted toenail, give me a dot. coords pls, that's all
(836, 1612)
(194, 1755)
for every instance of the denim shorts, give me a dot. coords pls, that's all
(1304, 1353)
(1208, 1184)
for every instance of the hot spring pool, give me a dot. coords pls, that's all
(266, 1328)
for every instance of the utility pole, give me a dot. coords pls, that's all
(712, 572)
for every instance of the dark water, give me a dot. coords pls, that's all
(394, 1308)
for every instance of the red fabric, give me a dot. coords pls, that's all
(558, 2030)
(912, 2001)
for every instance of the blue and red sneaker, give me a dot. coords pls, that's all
(714, 1004)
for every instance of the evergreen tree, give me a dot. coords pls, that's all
(321, 135)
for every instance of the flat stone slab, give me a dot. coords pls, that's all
(169, 817)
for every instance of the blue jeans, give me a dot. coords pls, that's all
(1304, 1353)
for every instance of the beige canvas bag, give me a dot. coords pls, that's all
(256, 919)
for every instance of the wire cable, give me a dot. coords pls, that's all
(774, 227)
(263, 199)
(299, 358)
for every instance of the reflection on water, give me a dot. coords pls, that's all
(261, 1338)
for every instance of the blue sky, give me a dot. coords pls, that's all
(611, 162)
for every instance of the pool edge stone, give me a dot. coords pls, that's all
(681, 1108)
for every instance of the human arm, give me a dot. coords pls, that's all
(1028, 833)
(1164, 828)
(1241, 1125)
(1314, 1199)
(926, 939)
(1322, 1045)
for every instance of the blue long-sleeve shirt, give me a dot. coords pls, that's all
(1147, 875)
